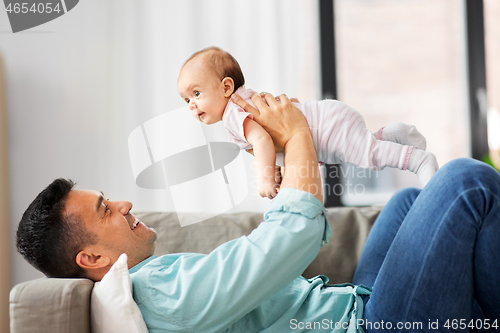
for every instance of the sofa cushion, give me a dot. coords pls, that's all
(63, 305)
(337, 260)
(201, 237)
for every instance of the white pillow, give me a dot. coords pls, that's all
(112, 307)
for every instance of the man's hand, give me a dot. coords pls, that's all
(290, 133)
(281, 119)
(293, 99)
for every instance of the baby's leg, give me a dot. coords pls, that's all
(401, 133)
(342, 136)
(391, 154)
(367, 152)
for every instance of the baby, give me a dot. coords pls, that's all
(209, 78)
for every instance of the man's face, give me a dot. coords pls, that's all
(203, 91)
(113, 224)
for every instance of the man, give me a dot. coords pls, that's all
(430, 256)
(198, 292)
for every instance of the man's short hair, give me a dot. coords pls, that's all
(48, 238)
(222, 63)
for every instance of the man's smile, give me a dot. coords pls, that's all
(135, 223)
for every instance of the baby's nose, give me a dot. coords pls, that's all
(192, 106)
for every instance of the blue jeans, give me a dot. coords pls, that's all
(433, 255)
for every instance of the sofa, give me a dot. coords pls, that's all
(64, 305)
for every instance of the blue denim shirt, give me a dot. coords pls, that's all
(253, 283)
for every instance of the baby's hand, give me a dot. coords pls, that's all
(277, 175)
(268, 189)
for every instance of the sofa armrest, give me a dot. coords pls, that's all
(51, 305)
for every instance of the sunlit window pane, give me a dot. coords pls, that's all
(492, 44)
(404, 61)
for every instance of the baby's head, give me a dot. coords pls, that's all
(207, 81)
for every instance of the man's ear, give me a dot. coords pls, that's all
(228, 86)
(88, 260)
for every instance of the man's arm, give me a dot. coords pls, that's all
(290, 133)
(220, 288)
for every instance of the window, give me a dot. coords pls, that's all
(492, 46)
(403, 61)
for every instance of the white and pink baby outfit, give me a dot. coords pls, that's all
(338, 131)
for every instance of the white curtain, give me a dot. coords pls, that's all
(77, 86)
(4, 208)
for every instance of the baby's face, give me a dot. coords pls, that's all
(203, 92)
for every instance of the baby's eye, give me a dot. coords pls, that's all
(197, 93)
(187, 100)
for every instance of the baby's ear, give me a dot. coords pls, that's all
(228, 86)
